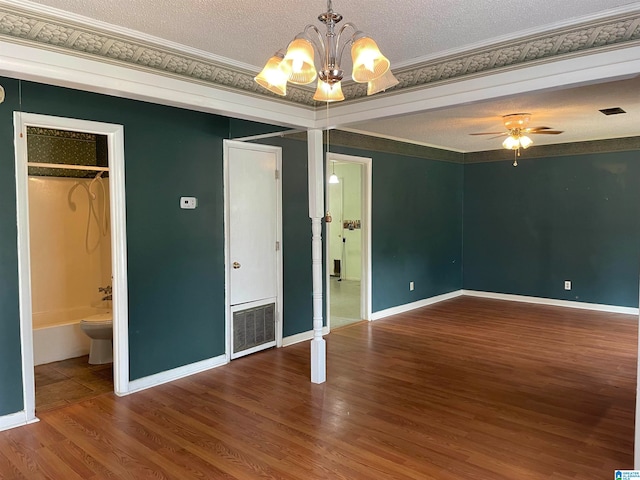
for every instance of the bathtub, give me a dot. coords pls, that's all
(57, 334)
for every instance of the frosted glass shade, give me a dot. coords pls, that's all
(525, 142)
(511, 143)
(368, 61)
(272, 77)
(299, 62)
(514, 143)
(380, 84)
(334, 178)
(328, 93)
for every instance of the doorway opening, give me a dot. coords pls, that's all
(348, 240)
(72, 260)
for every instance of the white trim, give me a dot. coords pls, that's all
(503, 296)
(115, 141)
(176, 374)
(14, 420)
(227, 237)
(367, 195)
(615, 63)
(552, 302)
(301, 337)
(280, 133)
(413, 305)
(73, 71)
(396, 139)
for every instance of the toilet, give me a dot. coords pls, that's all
(99, 328)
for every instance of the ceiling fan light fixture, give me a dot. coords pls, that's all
(516, 141)
(516, 120)
(511, 143)
(525, 142)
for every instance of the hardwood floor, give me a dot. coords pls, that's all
(468, 388)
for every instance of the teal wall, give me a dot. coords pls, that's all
(416, 227)
(530, 228)
(526, 230)
(175, 257)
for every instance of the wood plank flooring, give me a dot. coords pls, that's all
(468, 388)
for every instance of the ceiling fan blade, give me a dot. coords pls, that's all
(548, 132)
(490, 133)
(533, 129)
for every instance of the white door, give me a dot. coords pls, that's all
(253, 240)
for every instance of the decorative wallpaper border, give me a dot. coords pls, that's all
(45, 31)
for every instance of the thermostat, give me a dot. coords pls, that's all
(188, 202)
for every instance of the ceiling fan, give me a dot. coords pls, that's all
(518, 133)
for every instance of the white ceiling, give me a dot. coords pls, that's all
(246, 33)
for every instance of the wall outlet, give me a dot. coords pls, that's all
(411, 286)
(567, 284)
(188, 202)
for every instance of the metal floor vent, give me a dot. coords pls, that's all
(254, 327)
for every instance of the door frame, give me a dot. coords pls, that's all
(365, 274)
(115, 143)
(227, 250)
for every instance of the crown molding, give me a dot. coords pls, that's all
(51, 29)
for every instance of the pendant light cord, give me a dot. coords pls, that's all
(328, 144)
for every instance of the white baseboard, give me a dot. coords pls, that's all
(552, 302)
(301, 337)
(412, 306)
(14, 420)
(175, 374)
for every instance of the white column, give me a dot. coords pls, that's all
(316, 212)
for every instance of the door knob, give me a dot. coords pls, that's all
(236, 265)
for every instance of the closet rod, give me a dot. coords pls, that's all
(68, 167)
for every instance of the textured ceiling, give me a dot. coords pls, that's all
(245, 33)
(405, 30)
(575, 111)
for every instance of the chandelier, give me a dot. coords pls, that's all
(297, 63)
